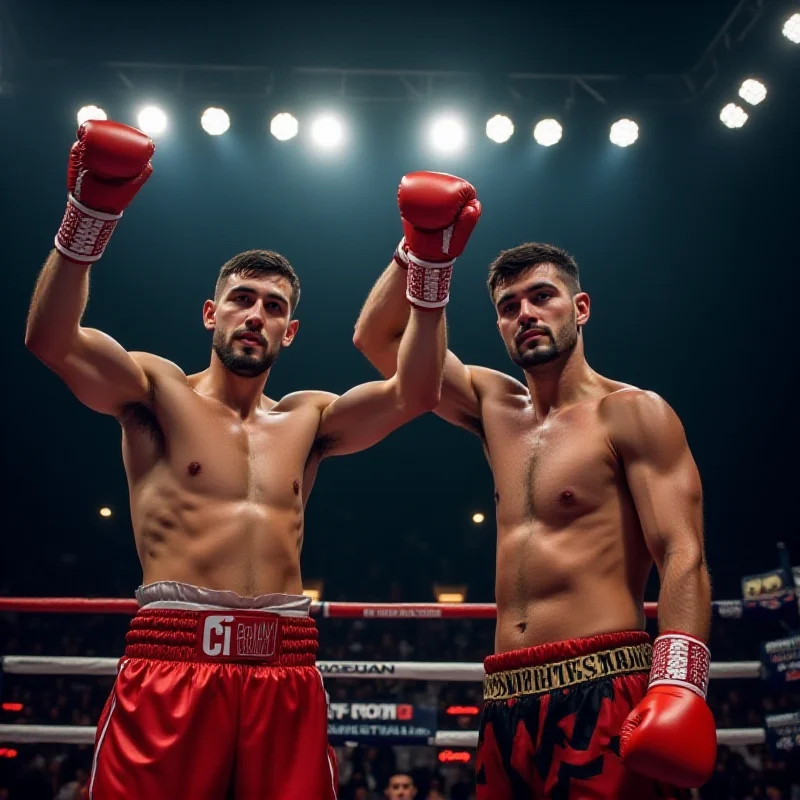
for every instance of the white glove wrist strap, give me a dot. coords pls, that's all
(680, 660)
(84, 232)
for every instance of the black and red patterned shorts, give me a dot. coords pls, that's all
(552, 717)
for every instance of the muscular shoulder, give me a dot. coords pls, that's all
(490, 383)
(639, 419)
(156, 367)
(309, 399)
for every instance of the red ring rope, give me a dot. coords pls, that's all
(103, 605)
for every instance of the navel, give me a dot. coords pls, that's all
(194, 468)
(567, 497)
(296, 486)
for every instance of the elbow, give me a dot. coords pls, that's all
(44, 346)
(686, 559)
(421, 402)
(37, 343)
(359, 341)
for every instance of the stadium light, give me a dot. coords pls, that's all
(215, 121)
(284, 126)
(499, 128)
(752, 91)
(548, 132)
(791, 28)
(733, 116)
(105, 511)
(624, 132)
(90, 112)
(327, 131)
(447, 134)
(477, 517)
(449, 594)
(152, 120)
(313, 589)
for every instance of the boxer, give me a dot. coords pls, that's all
(217, 695)
(594, 484)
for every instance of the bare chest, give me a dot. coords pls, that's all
(554, 471)
(199, 446)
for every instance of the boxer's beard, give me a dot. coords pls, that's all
(242, 364)
(547, 349)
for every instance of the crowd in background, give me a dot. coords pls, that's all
(48, 772)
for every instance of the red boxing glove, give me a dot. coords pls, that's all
(439, 212)
(670, 736)
(108, 164)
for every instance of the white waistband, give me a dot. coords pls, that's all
(185, 597)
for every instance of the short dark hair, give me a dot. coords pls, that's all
(257, 264)
(517, 260)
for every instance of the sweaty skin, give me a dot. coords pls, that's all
(219, 473)
(212, 497)
(594, 480)
(571, 558)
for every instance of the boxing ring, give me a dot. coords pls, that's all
(338, 670)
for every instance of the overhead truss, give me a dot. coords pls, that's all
(555, 90)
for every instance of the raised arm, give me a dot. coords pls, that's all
(365, 414)
(385, 315)
(670, 735)
(108, 164)
(439, 212)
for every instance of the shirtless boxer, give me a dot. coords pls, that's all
(217, 695)
(594, 482)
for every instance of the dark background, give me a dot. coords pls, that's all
(687, 243)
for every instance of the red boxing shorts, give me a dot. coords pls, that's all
(217, 697)
(552, 717)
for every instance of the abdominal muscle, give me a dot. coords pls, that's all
(237, 545)
(554, 585)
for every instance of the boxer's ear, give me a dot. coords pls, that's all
(291, 332)
(209, 315)
(582, 308)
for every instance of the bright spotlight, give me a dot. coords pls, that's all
(548, 132)
(624, 132)
(447, 134)
(752, 91)
(105, 511)
(478, 518)
(284, 127)
(215, 121)
(326, 131)
(499, 128)
(152, 120)
(791, 28)
(733, 116)
(90, 112)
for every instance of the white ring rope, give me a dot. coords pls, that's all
(85, 734)
(380, 670)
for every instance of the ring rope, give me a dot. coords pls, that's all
(380, 670)
(85, 734)
(335, 610)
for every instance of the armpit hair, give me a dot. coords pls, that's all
(324, 444)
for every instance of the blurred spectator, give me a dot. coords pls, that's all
(401, 787)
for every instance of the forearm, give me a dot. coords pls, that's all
(383, 320)
(58, 303)
(420, 360)
(684, 603)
